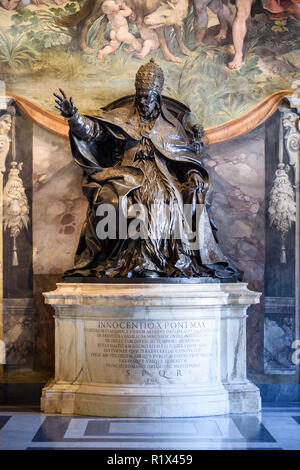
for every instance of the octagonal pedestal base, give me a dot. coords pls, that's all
(150, 350)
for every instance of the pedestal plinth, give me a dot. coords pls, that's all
(150, 350)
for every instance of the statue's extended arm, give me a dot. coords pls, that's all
(85, 128)
(81, 126)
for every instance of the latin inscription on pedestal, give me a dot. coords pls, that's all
(151, 352)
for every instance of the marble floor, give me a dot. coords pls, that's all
(277, 427)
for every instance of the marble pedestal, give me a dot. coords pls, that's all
(150, 350)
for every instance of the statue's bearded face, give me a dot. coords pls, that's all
(146, 103)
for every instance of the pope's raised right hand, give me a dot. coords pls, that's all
(66, 107)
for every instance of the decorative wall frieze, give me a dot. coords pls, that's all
(279, 305)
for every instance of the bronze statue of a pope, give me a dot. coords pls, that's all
(141, 163)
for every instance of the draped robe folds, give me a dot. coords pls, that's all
(125, 163)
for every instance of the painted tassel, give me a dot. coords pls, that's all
(283, 254)
(15, 261)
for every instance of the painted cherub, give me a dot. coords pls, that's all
(149, 37)
(150, 40)
(117, 11)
